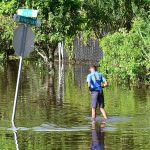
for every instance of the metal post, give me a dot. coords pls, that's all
(59, 51)
(19, 73)
(16, 94)
(62, 50)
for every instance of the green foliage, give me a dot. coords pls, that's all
(69, 46)
(8, 7)
(7, 26)
(6, 34)
(61, 20)
(104, 16)
(126, 54)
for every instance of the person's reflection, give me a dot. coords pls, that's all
(97, 137)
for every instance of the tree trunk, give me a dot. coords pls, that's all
(51, 60)
(48, 54)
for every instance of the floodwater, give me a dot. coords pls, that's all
(54, 113)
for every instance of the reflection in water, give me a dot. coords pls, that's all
(97, 137)
(51, 88)
(58, 106)
(61, 82)
(16, 140)
(15, 129)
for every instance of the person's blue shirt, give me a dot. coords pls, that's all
(95, 79)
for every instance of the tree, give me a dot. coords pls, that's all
(6, 34)
(60, 19)
(107, 16)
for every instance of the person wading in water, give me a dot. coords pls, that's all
(95, 80)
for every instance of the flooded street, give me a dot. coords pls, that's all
(54, 113)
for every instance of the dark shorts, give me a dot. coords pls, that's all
(97, 99)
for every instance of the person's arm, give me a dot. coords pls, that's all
(105, 82)
(89, 85)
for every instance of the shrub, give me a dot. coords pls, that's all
(126, 54)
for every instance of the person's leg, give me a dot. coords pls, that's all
(101, 104)
(103, 113)
(93, 113)
(94, 104)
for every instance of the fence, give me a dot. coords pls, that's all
(85, 52)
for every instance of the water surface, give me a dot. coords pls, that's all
(55, 112)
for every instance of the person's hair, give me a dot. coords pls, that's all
(94, 67)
